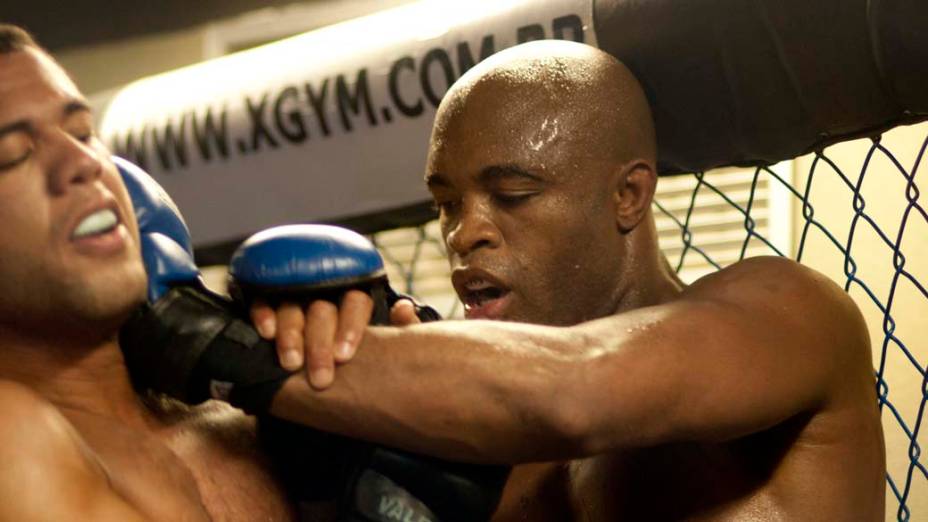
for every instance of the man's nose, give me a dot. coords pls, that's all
(474, 229)
(73, 162)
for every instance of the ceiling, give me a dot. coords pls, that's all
(58, 24)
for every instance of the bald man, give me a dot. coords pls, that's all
(619, 392)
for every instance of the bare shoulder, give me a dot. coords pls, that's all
(770, 277)
(36, 443)
(779, 285)
(805, 306)
(28, 421)
(48, 471)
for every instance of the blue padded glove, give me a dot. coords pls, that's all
(165, 239)
(300, 263)
(306, 262)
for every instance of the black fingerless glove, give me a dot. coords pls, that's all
(191, 345)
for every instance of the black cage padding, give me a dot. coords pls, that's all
(754, 82)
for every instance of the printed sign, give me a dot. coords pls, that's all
(323, 126)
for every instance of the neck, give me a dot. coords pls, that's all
(649, 279)
(661, 286)
(79, 377)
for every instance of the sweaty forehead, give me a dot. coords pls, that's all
(545, 101)
(530, 111)
(520, 89)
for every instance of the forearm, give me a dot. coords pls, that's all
(444, 389)
(485, 391)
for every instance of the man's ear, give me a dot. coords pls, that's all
(634, 192)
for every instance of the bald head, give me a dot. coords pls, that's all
(541, 164)
(551, 93)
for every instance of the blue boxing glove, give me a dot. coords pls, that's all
(300, 263)
(188, 342)
(164, 237)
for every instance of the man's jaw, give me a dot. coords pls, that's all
(484, 295)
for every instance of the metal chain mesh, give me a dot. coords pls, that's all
(856, 217)
(888, 240)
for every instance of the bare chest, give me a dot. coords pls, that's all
(204, 468)
(646, 486)
(233, 478)
(773, 475)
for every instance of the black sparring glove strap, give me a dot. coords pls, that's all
(192, 346)
(241, 368)
(425, 313)
(162, 343)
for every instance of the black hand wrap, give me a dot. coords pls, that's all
(425, 313)
(192, 345)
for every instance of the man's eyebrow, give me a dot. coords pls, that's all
(76, 105)
(73, 106)
(500, 172)
(16, 126)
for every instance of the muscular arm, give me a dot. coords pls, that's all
(47, 472)
(739, 352)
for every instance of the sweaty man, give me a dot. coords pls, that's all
(75, 441)
(620, 392)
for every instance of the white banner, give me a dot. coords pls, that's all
(327, 125)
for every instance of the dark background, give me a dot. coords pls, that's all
(61, 24)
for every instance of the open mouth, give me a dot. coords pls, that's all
(483, 299)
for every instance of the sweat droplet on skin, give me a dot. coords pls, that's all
(548, 132)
